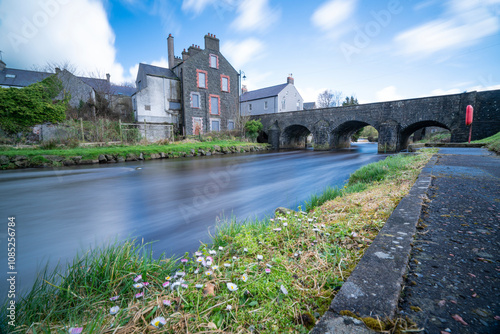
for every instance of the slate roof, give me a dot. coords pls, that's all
(309, 105)
(122, 90)
(262, 93)
(157, 71)
(21, 78)
(99, 85)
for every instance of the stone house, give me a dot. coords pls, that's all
(269, 100)
(209, 87)
(158, 95)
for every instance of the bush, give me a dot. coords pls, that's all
(252, 128)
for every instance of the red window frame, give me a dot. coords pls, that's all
(198, 79)
(218, 104)
(210, 60)
(228, 83)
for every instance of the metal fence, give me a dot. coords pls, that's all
(151, 132)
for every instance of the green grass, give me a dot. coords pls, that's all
(309, 254)
(493, 142)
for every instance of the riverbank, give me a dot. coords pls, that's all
(285, 271)
(13, 158)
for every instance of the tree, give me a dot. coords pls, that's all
(253, 127)
(329, 98)
(352, 101)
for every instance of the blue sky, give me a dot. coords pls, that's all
(376, 50)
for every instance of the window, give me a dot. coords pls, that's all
(230, 125)
(224, 83)
(201, 79)
(249, 107)
(195, 100)
(283, 103)
(12, 76)
(214, 61)
(298, 105)
(197, 125)
(265, 105)
(214, 105)
(147, 107)
(214, 124)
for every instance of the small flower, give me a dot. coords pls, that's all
(309, 219)
(285, 224)
(209, 273)
(215, 267)
(114, 310)
(327, 234)
(184, 285)
(184, 260)
(267, 264)
(268, 271)
(137, 278)
(296, 254)
(138, 285)
(260, 257)
(166, 284)
(245, 250)
(168, 278)
(283, 289)
(158, 322)
(145, 283)
(316, 230)
(232, 286)
(221, 248)
(75, 330)
(212, 252)
(200, 259)
(244, 277)
(271, 219)
(227, 265)
(323, 225)
(277, 229)
(229, 307)
(180, 274)
(139, 295)
(196, 271)
(198, 253)
(199, 286)
(175, 285)
(167, 302)
(114, 298)
(235, 258)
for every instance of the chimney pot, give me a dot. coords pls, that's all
(108, 77)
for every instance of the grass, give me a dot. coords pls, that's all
(493, 142)
(438, 137)
(36, 156)
(308, 255)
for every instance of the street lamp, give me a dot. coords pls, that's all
(239, 95)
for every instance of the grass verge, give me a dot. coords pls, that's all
(267, 276)
(492, 143)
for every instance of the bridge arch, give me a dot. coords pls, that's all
(410, 129)
(341, 135)
(294, 136)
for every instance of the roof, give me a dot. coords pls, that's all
(123, 90)
(21, 78)
(157, 71)
(262, 93)
(99, 85)
(309, 105)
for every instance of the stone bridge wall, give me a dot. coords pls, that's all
(395, 121)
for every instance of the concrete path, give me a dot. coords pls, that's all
(448, 227)
(453, 285)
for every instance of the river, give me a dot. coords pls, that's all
(62, 211)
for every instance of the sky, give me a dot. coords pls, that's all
(374, 50)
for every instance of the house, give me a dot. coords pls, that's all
(11, 77)
(309, 105)
(158, 95)
(269, 100)
(209, 92)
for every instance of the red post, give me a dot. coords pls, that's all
(468, 119)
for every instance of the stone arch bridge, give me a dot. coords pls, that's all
(395, 121)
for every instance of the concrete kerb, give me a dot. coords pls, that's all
(374, 287)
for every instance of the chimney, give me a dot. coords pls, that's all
(211, 42)
(170, 46)
(2, 65)
(58, 70)
(244, 89)
(108, 77)
(185, 55)
(289, 80)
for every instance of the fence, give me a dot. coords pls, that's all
(151, 132)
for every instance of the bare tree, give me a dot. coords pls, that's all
(52, 66)
(329, 98)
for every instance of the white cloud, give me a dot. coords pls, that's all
(255, 15)
(388, 94)
(310, 94)
(333, 13)
(463, 24)
(196, 6)
(440, 91)
(59, 31)
(241, 53)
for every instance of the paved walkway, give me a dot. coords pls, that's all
(453, 284)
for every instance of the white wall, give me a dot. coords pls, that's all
(157, 95)
(291, 96)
